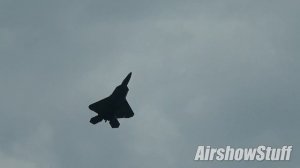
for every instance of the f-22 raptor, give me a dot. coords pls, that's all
(114, 106)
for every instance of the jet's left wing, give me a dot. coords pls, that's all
(102, 105)
(124, 111)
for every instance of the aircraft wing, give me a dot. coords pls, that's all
(124, 111)
(101, 105)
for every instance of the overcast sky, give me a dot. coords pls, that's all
(208, 72)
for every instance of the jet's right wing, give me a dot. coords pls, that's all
(124, 111)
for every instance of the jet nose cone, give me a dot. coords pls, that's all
(126, 80)
(129, 75)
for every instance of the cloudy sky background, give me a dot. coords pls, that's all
(204, 73)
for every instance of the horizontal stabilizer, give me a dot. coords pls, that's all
(114, 123)
(96, 119)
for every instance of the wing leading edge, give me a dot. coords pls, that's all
(124, 111)
(101, 105)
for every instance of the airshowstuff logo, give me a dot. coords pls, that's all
(260, 153)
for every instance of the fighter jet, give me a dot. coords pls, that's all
(114, 106)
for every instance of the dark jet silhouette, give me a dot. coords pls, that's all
(114, 106)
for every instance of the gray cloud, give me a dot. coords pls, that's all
(209, 72)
